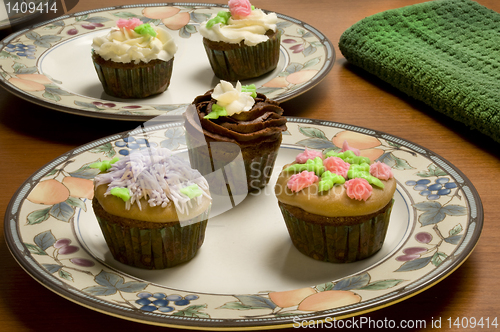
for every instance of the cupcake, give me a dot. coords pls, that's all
(336, 206)
(241, 43)
(134, 60)
(230, 124)
(152, 208)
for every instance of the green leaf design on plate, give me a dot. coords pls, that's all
(432, 170)
(52, 268)
(236, 305)
(106, 149)
(193, 311)
(38, 216)
(35, 250)
(65, 275)
(76, 202)
(438, 258)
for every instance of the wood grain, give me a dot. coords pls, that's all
(31, 136)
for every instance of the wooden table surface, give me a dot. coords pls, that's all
(31, 136)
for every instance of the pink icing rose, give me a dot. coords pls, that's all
(346, 147)
(308, 154)
(358, 188)
(130, 23)
(240, 8)
(336, 165)
(302, 180)
(381, 170)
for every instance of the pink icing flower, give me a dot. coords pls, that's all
(130, 24)
(336, 165)
(381, 171)
(240, 8)
(346, 147)
(358, 188)
(302, 180)
(308, 154)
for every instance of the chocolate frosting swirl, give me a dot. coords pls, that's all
(264, 122)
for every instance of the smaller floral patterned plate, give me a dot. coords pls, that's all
(50, 63)
(247, 274)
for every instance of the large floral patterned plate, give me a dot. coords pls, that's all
(50, 64)
(247, 274)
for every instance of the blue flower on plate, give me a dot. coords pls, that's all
(130, 143)
(22, 50)
(175, 138)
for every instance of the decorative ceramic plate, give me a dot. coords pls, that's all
(50, 64)
(247, 274)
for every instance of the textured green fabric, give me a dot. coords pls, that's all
(445, 53)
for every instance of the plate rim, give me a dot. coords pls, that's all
(330, 57)
(436, 276)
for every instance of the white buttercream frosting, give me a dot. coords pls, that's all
(124, 45)
(232, 99)
(251, 29)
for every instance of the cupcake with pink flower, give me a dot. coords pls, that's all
(134, 60)
(336, 205)
(242, 42)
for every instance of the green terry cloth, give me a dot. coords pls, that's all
(445, 53)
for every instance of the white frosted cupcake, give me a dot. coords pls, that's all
(241, 43)
(134, 60)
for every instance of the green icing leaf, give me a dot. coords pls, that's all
(312, 165)
(104, 165)
(349, 157)
(122, 193)
(250, 88)
(328, 180)
(217, 111)
(222, 18)
(192, 191)
(145, 29)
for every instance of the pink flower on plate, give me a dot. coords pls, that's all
(240, 8)
(302, 180)
(308, 154)
(359, 189)
(381, 171)
(346, 147)
(336, 165)
(130, 23)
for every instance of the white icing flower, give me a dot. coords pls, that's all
(232, 99)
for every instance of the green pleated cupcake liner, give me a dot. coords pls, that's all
(242, 175)
(143, 81)
(338, 244)
(245, 62)
(157, 248)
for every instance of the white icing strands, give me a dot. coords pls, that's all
(157, 176)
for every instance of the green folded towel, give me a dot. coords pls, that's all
(445, 53)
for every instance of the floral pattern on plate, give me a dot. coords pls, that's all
(47, 218)
(32, 69)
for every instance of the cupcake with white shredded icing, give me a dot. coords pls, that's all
(242, 42)
(134, 60)
(152, 208)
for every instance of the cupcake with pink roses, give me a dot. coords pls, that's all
(242, 42)
(336, 205)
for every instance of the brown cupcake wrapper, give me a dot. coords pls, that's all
(338, 244)
(154, 248)
(145, 80)
(244, 62)
(240, 176)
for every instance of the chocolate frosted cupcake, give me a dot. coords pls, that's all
(241, 43)
(134, 60)
(336, 206)
(152, 208)
(227, 121)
